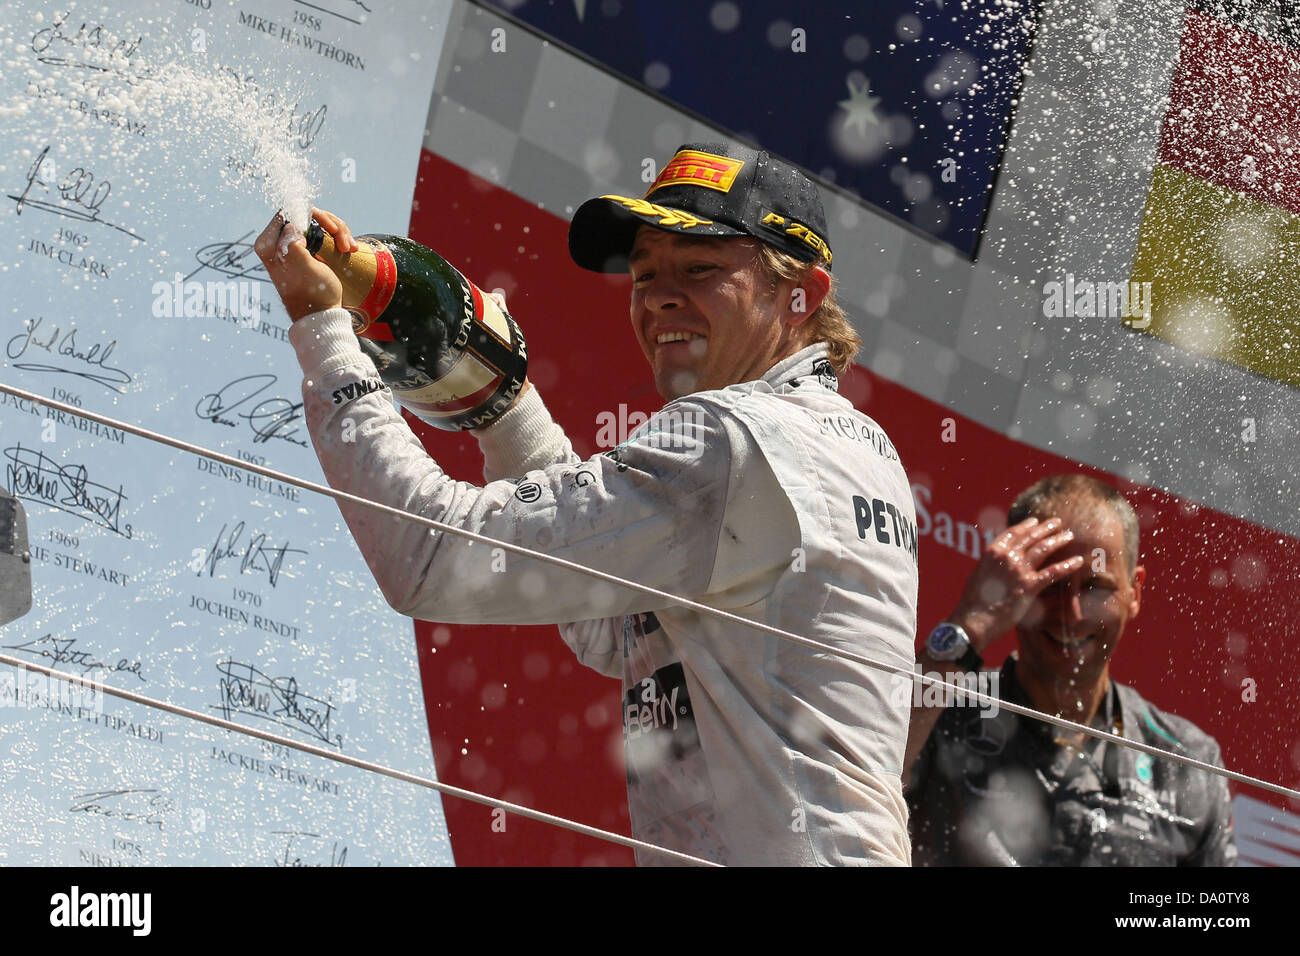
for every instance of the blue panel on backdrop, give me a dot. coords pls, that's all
(903, 103)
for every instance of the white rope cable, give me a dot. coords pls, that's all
(312, 749)
(654, 592)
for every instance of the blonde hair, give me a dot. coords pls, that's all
(828, 323)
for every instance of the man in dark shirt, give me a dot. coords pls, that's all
(988, 787)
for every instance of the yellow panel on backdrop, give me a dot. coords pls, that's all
(1223, 273)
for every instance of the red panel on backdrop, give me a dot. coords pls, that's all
(511, 713)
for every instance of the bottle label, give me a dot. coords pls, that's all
(479, 377)
(465, 385)
(489, 315)
(381, 290)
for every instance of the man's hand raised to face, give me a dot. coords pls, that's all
(305, 284)
(1011, 573)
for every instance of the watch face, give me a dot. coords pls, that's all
(945, 643)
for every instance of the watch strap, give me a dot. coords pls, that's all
(970, 661)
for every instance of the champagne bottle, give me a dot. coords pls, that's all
(447, 351)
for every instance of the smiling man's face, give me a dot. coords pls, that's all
(705, 313)
(1071, 630)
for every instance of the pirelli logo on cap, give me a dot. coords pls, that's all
(690, 167)
(801, 232)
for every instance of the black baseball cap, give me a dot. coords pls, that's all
(707, 189)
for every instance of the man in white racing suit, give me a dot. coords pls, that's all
(757, 490)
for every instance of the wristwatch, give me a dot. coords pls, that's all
(948, 642)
